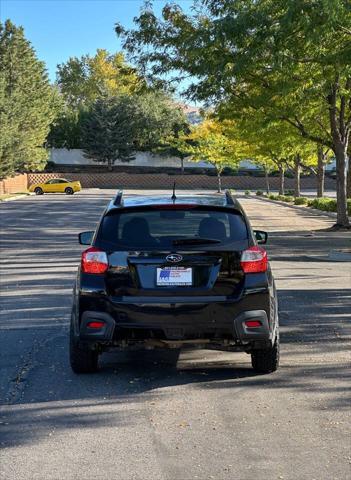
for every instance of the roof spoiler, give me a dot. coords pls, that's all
(118, 201)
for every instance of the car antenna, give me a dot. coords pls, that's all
(173, 197)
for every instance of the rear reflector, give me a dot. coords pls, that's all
(95, 324)
(94, 261)
(254, 260)
(253, 323)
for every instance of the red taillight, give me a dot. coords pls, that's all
(254, 260)
(94, 261)
(96, 324)
(253, 323)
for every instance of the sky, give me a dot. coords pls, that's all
(59, 29)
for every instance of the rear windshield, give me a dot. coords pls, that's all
(166, 228)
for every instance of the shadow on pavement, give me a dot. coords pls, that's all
(122, 393)
(41, 253)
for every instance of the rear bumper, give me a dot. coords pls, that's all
(191, 321)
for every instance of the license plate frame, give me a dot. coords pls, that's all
(174, 276)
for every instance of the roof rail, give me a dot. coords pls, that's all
(118, 199)
(229, 197)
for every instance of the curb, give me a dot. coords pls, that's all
(10, 199)
(322, 213)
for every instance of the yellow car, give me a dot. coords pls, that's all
(56, 185)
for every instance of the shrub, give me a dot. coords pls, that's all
(315, 202)
(285, 198)
(325, 204)
(300, 201)
(273, 196)
(331, 205)
(247, 192)
(259, 193)
(290, 193)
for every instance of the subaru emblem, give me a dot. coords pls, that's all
(174, 258)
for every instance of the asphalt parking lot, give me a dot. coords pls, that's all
(152, 415)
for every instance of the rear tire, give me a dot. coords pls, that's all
(82, 360)
(69, 191)
(38, 191)
(266, 360)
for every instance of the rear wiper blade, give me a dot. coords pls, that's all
(194, 241)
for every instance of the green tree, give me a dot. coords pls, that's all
(267, 55)
(67, 129)
(86, 79)
(28, 104)
(156, 117)
(213, 142)
(117, 127)
(83, 81)
(178, 145)
(108, 131)
(276, 145)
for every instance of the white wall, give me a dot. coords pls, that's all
(62, 156)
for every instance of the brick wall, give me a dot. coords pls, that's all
(15, 184)
(162, 180)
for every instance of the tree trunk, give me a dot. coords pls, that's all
(297, 171)
(281, 180)
(341, 183)
(109, 165)
(340, 145)
(320, 171)
(349, 180)
(182, 166)
(219, 181)
(267, 181)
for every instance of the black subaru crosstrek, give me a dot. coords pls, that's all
(167, 271)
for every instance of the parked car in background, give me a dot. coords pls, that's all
(56, 185)
(172, 272)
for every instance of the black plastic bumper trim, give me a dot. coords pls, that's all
(103, 334)
(258, 333)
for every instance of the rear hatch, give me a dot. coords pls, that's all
(173, 251)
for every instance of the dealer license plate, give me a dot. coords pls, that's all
(174, 276)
